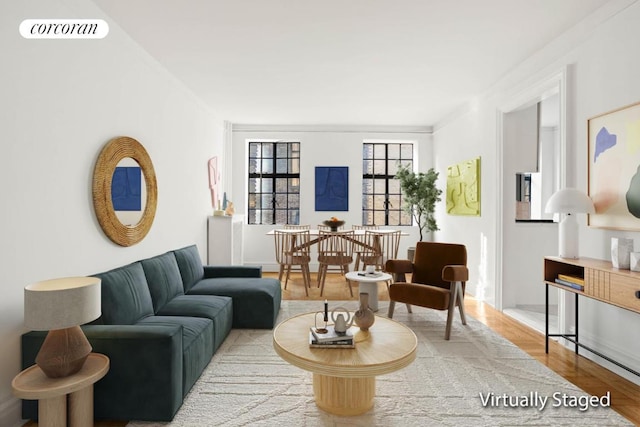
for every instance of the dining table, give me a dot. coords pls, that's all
(356, 239)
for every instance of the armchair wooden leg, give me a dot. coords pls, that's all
(453, 301)
(460, 303)
(392, 305)
(409, 308)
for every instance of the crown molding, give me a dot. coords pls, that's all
(243, 127)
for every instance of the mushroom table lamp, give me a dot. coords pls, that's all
(569, 201)
(60, 306)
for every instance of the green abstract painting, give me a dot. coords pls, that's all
(463, 188)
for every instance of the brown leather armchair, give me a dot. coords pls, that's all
(438, 276)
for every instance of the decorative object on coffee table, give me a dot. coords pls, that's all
(621, 252)
(340, 322)
(364, 316)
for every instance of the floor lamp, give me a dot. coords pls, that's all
(569, 201)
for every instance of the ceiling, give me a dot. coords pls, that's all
(342, 62)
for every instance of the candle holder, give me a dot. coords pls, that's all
(323, 329)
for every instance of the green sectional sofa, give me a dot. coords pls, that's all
(163, 318)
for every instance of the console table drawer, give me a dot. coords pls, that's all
(623, 292)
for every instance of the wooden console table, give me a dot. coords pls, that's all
(602, 282)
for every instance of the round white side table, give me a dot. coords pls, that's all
(368, 283)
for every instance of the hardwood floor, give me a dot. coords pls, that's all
(589, 376)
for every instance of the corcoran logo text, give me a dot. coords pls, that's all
(64, 29)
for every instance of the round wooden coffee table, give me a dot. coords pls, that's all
(344, 379)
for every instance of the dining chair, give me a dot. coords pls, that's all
(380, 246)
(358, 248)
(296, 227)
(335, 248)
(292, 250)
(327, 228)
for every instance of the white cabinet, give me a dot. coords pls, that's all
(224, 241)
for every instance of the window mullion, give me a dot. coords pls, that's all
(274, 180)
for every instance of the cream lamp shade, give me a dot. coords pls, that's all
(569, 201)
(60, 306)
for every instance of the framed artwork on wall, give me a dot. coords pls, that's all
(614, 168)
(463, 188)
(126, 189)
(332, 188)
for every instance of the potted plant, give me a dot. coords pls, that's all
(420, 196)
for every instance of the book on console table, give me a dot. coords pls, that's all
(345, 343)
(569, 284)
(331, 336)
(573, 279)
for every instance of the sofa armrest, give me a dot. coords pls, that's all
(213, 271)
(145, 373)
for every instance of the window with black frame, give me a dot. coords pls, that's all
(381, 194)
(274, 183)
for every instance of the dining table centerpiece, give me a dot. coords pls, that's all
(333, 223)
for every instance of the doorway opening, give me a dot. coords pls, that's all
(532, 135)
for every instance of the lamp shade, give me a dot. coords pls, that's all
(61, 303)
(569, 200)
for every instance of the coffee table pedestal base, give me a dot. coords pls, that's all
(344, 396)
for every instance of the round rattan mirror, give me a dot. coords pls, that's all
(113, 152)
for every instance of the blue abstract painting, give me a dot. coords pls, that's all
(332, 188)
(126, 189)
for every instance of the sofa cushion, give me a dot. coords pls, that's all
(256, 301)
(125, 295)
(197, 344)
(218, 309)
(163, 277)
(190, 265)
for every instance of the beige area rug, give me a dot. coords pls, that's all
(248, 384)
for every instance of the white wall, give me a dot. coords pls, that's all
(61, 102)
(602, 75)
(319, 146)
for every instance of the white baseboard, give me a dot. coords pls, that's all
(11, 413)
